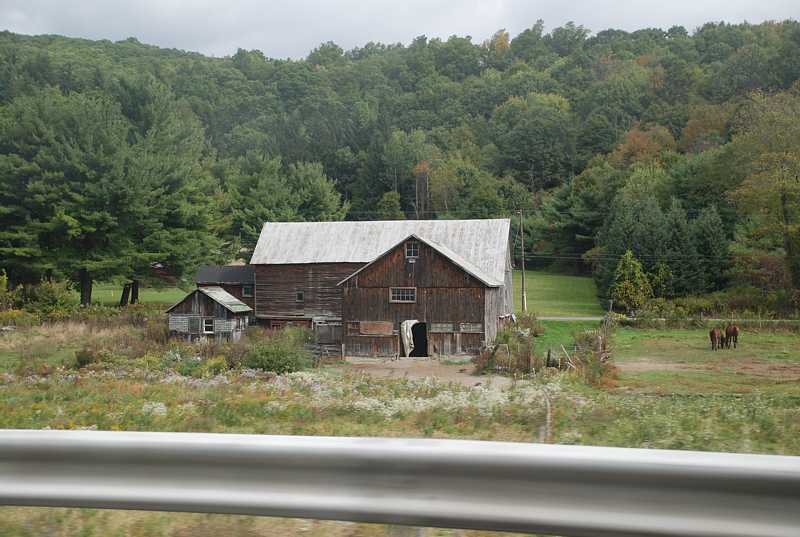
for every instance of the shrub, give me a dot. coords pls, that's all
(90, 355)
(45, 297)
(18, 318)
(283, 352)
(7, 296)
(591, 359)
(513, 351)
(191, 367)
(631, 288)
(214, 366)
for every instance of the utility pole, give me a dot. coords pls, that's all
(522, 252)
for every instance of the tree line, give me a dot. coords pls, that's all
(123, 160)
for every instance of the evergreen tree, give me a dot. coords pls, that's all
(388, 208)
(681, 252)
(259, 193)
(631, 288)
(315, 193)
(712, 246)
(66, 154)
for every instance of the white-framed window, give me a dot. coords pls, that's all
(208, 326)
(412, 249)
(299, 296)
(247, 291)
(403, 294)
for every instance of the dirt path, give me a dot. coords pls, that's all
(413, 368)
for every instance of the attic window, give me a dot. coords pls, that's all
(412, 249)
(299, 296)
(247, 291)
(403, 294)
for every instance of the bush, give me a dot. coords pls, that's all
(90, 356)
(591, 358)
(214, 366)
(45, 297)
(18, 318)
(283, 352)
(513, 351)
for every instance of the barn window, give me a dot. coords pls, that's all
(299, 296)
(208, 326)
(412, 249)
(403, 294)
(247, 291)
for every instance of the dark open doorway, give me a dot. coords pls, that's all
(420, 334)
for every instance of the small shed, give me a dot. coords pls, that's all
(209, 313)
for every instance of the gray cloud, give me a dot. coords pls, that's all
(292, 29)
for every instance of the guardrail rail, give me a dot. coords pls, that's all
(564, 490)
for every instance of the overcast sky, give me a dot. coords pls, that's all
(293, 28)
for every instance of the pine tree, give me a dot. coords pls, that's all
(712, 246)
(66, 155)
(631, 288)
(388, 208)
(681, 251)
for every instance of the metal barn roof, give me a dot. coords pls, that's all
(221, 297)
(225, 274)
(468, 267)
(483, 243)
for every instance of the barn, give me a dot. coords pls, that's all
(209, 313)
(236, 280)
(420, 287)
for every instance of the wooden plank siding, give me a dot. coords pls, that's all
(277, 287)
(445, 294)
(199, 304)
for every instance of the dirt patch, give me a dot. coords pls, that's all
(645, 366)
(771, 370)
(460, 373)
(784, 372)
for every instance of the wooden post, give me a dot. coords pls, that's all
(86, 287)
(135, 292)
(126, 292)
(522, 255)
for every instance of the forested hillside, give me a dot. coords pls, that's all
(682, 147)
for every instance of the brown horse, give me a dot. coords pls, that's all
(715, 335)
(731, 335)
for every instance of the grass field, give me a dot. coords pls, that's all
(671, 391)
(108, 294)
(549, 295)
(556, 295)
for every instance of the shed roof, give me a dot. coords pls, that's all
(481, 243)
(468, 267)
(237, 274)
(221, 297)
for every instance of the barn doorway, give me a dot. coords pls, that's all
(419, 333)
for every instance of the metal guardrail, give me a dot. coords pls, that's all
(564, 490)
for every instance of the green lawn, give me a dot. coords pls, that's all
(108, 294)
(681, 361)
(556, 295)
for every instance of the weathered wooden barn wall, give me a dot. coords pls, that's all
(431, 269)
(449, 300)
(277, 287)
(235, 290)
(202, 305)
